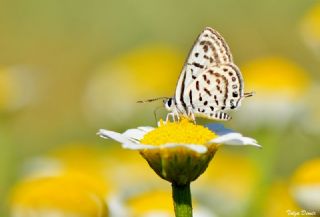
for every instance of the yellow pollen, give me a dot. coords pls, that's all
(182, 132)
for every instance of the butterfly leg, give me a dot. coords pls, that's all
(191, 116)
(171, 114)
(174, 115)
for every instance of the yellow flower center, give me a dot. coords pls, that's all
(308, 173)
(71, 192)
(182, 132)
(311, 23)
(284, 77)
(151, 201)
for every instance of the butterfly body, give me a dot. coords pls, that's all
(210, 83)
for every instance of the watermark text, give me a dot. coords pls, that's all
(303, 212)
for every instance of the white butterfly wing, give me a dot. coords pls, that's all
(215, 90)
(209, 49)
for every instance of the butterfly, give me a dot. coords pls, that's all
(210, 83)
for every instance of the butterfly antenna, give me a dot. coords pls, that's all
(249, 94)
(152, 100)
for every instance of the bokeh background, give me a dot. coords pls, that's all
(68, 68)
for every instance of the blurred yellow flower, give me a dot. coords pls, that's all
(71, 157)
(120, 161)
(305, 185)
(110, 164)
(279, 201)
(281, 87)
(151, 202)
(145, 72)
(274, 76)
(153, 68)
(300, 196)
(307, 173)
(310, 28)
(232, 179)
(6, 88)
(67, 194)
(157, 202)
(14, 81)
(70, 181)
(81, 157)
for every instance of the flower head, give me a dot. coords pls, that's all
(151, 201)
(305, 185)
(178, 152)
(280, 95)
(309, 28)
(279, 189)
(69, 181)
(222, 186)
(69, 194)
(13, 81)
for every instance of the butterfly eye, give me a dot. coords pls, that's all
(169, 102)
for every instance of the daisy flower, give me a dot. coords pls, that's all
(280, 95)
(305, 186)
(65, 195)
(309, 28)
(179, 152)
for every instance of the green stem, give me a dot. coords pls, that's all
(182, 200)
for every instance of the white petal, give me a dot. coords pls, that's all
(116, 205)
(308, 196)
(136, 134)
(235, 139)
(107, 134)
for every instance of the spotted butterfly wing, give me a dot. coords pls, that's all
(218, 89)
(209, 82)
(209, 48)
